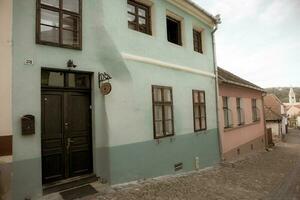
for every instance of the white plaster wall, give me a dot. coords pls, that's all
(5, 66)
(275, 127)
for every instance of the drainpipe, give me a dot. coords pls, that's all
(218, 21)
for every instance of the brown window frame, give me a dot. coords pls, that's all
(197, 105)
(163, 104)
(147, 10)
(240, 111)
(179, 34)
(255, 111)
(61, 12)
(197, 40)
(226, 111)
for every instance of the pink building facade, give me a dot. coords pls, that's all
(241, 116)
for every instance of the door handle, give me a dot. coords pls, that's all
(69, 141)
(66, 125)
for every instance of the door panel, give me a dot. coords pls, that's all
(52, 136)
(78, 109)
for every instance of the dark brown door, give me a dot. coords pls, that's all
(66, 134)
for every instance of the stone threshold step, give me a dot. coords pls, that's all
(69, 183)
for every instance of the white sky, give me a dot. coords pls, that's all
(259, 40)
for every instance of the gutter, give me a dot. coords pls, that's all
(243, 85)
(218, 21)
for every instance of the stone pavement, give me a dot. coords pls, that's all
(289, 189)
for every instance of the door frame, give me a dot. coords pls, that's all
(65, 90)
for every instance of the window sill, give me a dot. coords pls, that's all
(165, 136)
(198, 53)
(200, 131)
(240, 126)
(175, 45)
(150, 35)
(161, 139)
(79, 48)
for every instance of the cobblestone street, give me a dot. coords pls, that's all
(266, 175)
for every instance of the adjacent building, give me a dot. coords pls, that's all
(154, 60)
(275, 115)
(241, 117)
(5, 99)
(293, 106)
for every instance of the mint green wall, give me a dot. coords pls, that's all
(122, 121)
(157, 46)
(150, 159)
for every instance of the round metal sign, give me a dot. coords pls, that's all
(105, 88)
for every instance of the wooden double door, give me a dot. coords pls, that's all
(66, 134)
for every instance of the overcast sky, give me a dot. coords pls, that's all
(259, 40)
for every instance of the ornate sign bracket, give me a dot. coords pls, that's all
(104, 87)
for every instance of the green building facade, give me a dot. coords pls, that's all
(122, 136)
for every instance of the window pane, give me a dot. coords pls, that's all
(173, 31)
(197, 124)
(70, 38)
(225, 102)
(70, 22)
(71, 5)
(55, 79)
(159, 129)
(54, 3)
(157, 94)
(168, 112)
(202, 100)
(196, 97)
(202, 108)
(142, 21)
(167, 95)
(196, 110)
(130, 8)
(158, 112)
(169, 127)
(130, 17)
(132, 26)
(79, 80)
(143, 28)
(49, 17)
(203, 126)
(226, 122)
(142, 12)
(49, 34)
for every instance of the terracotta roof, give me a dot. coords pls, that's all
(270, 115)
(272, 102)
(292, 106)
(228, 77)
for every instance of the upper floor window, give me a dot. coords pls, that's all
(255, 111)
(58, 23)
(227, 113)
(163, 121)
(197, 37)
(174, 31)
(240, 112)
(199, 110)
(139, 17)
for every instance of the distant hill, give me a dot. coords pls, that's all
(283, 93)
